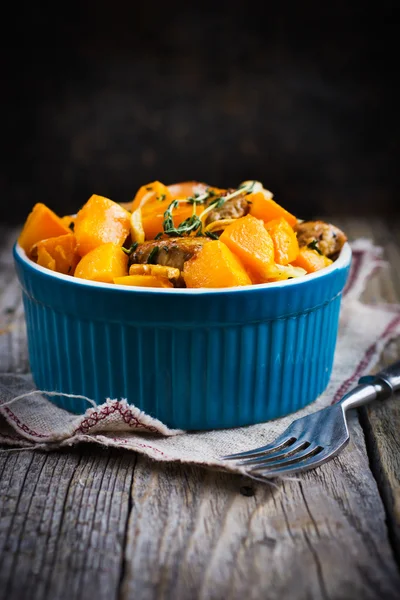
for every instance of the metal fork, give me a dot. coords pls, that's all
(314, 439)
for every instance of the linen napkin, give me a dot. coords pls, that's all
(33, 422)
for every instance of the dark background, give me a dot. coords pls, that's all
(101, 97)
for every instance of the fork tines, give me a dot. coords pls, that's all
(279, 457)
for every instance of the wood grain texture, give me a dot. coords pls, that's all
(89, 523)
(62, 524)
(193, 534)
(381, 422)
(13, 348)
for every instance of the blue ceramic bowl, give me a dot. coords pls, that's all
(195, 359)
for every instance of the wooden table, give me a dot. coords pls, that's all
(101, 524)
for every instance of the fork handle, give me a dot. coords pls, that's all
(390, 376)
(380, 386)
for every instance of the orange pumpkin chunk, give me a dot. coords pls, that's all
(44, 259)
(58, 253)
(151, 193)
(252, 244)
(284, 239)
(104, 263)
(282, 272)
(69, 221)
(100, 221)
(215, 266)
(144, 281)
(311, 260)
(266, 209)
(126, 205)
(42, 223)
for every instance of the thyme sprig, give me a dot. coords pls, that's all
(132, 248)
(200, 198)
(194, 224)
(314, 246)
(151, 259)
(189, 225)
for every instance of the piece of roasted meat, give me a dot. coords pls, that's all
(321, 236)
(170, 253)
(232, 209)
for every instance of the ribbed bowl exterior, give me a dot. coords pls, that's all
(193, 360)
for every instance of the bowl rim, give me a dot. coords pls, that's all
(341, 262)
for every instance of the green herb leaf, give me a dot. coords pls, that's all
(189, 225)
(313, 246)
(129, 251)
(194, 224)
(153, 255)
(220, 202)
(211, 235)
(161, 198)
(168, 224)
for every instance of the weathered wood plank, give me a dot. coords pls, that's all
(381, 422)
(62, 523)
(193, 534)
(13, 348)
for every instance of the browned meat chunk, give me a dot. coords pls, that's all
(232, 209)
(170, 253)
(326, 237)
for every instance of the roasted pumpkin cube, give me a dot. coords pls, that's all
(101, 221)
(311, 260)
(264, 207)
(285, 242)
(58, 254)
(151, 193)
(104, 263)
(252, 244)
(215, 266)
(42, 223)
